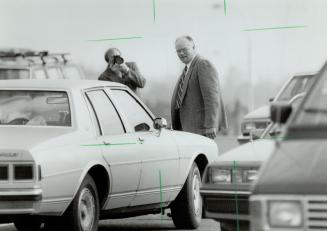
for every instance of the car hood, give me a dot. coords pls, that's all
(258, 150)
(13, 138)
(296, 167)
(261, 113)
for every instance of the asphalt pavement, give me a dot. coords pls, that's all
(147, 223)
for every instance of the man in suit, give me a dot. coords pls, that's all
(197, 104)
(121, 72)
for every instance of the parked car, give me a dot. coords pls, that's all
(290, 193)
(28, 64)
(226, 183)
(89, 150)
(258, 120)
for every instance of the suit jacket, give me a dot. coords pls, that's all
(202, 106)
(133, 79)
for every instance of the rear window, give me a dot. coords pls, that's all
(14, 73)
(34, 108)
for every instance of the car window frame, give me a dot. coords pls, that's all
(96, 115)
(81, 76)
(32, 72)
(58, 70)
(130, 129)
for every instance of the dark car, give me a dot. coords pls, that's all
(27, 64)
(291, 190)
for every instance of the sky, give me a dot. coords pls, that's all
(263, 55)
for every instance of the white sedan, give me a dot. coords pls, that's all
(80, 151)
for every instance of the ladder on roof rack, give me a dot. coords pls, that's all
(28, 54)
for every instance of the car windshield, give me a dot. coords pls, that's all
(34, 108)
(14, 73)
(296, 86)
(314, 110)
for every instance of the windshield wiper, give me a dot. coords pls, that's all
(314, 110)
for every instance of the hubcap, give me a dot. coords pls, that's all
(86, 209)
(196, 195)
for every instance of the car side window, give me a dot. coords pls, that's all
(136, 115)
(54, 73)
(71, 72)
(106, 113)
(39, 74)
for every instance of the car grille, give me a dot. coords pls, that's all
(227, 204)
(316, 213)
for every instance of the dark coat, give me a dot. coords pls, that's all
(202, 106)
(133, 79)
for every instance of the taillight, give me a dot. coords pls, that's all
(23, 172)
(4, 172)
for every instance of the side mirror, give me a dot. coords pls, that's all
(280, 112)
(142, 127)
(160, 123)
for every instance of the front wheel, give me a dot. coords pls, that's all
(186, 210)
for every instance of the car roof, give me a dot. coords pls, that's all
(64, 84)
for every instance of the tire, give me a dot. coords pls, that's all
(186, 210)
(83, 213)
(27, 223)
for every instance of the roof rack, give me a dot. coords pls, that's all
(28, 54)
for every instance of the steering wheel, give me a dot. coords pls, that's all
(19, 121)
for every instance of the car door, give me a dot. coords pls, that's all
(120, 150)
(159, 154)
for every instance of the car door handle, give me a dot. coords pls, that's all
(106, 143)
(141, 139)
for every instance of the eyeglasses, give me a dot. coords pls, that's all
(183, 50)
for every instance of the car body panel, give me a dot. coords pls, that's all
(62, 156)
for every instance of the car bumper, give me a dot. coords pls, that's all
(226, 205)
(242, 139)
(20, 201)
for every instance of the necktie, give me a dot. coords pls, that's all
(180, 89)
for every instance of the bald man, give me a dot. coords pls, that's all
(121, 72)
(197, 104)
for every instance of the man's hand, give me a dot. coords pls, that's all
(124, 68)
(117, 69)
(121, 69)
(210, 133)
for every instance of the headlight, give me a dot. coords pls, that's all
(220, 175)
(285, 213)
(250, 175)
(229, 175)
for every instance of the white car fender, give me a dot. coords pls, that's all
(92, 163)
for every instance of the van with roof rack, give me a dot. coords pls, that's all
(37, 65)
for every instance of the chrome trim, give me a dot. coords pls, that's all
(160, 159)
(125, 163)
(225, 192)
(21, 192)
